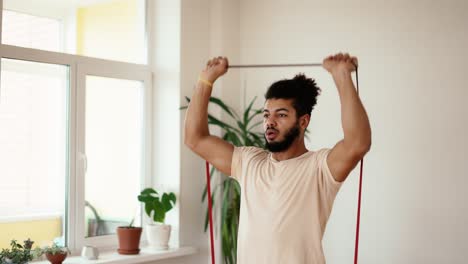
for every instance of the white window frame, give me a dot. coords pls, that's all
(117, 72)
(79, 67)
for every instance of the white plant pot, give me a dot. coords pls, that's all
(158, 235)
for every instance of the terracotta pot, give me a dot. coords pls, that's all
(57, 258)
(129, 240)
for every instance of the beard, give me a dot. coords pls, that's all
(283, 145)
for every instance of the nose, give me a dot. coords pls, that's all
(270, 122)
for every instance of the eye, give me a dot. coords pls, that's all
(282, 115)
(265, 115)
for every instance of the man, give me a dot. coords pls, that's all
(287, 191)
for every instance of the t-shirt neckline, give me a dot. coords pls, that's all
(306, 154)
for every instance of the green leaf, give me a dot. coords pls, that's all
(212, 173)
(237, 188)
(172, 197)
(145, 199)
(224, 209)
(256, 112)
(255, 125)
(248, 142)
(221, 104)
(148, 191)
(247, 111)
(213, 204)
(185, 106)
(257, 138)
(159, 211)
(233, 232)
(214, 121)
(241, 126)
(168, 201)
(148, 209)
(233, 138)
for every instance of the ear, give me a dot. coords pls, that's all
(304, 121)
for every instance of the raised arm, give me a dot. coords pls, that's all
(197, 136)
(346, 154)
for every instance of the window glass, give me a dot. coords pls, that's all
(33, 153)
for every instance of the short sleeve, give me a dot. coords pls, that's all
(327, 182)
(240, 157)
(236, 164)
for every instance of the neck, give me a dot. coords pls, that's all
(295, 150)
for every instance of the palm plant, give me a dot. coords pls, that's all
(240, 134)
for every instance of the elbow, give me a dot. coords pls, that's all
(190, 142)
(189, 136)
(362, 148)
(366, 148)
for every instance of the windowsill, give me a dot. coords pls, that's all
(146, 255)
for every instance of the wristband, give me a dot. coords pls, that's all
(200, 79)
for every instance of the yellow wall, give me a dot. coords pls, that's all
(111, 30)
(42, 232)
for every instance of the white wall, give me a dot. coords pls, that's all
(413, 79)
(164, 60)
(207, 27)
(194, 48)
(185, 34)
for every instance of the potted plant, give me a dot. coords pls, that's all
(17, 254)
(129, 239)
(55, 254)
(156, 207)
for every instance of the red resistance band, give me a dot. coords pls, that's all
(356, 245)
(209, 211)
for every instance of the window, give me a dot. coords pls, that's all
(29, 31)
(33, 140)
(74, 130)
(111, 29)
(113, 146)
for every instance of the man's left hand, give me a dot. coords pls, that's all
(340, 62)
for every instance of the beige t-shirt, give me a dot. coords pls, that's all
(285, 206)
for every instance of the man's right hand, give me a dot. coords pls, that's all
(215, 68)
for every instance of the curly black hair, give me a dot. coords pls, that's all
(302, 90)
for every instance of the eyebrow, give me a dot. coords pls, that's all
(277, 110)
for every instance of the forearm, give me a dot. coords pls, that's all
(355, 122)
(196, 119)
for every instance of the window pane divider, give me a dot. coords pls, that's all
(44, 56)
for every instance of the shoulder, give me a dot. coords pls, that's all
(243, 156)
(319, 157)
(322, 153)
(249, 151)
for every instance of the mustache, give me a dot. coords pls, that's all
(271, 129)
